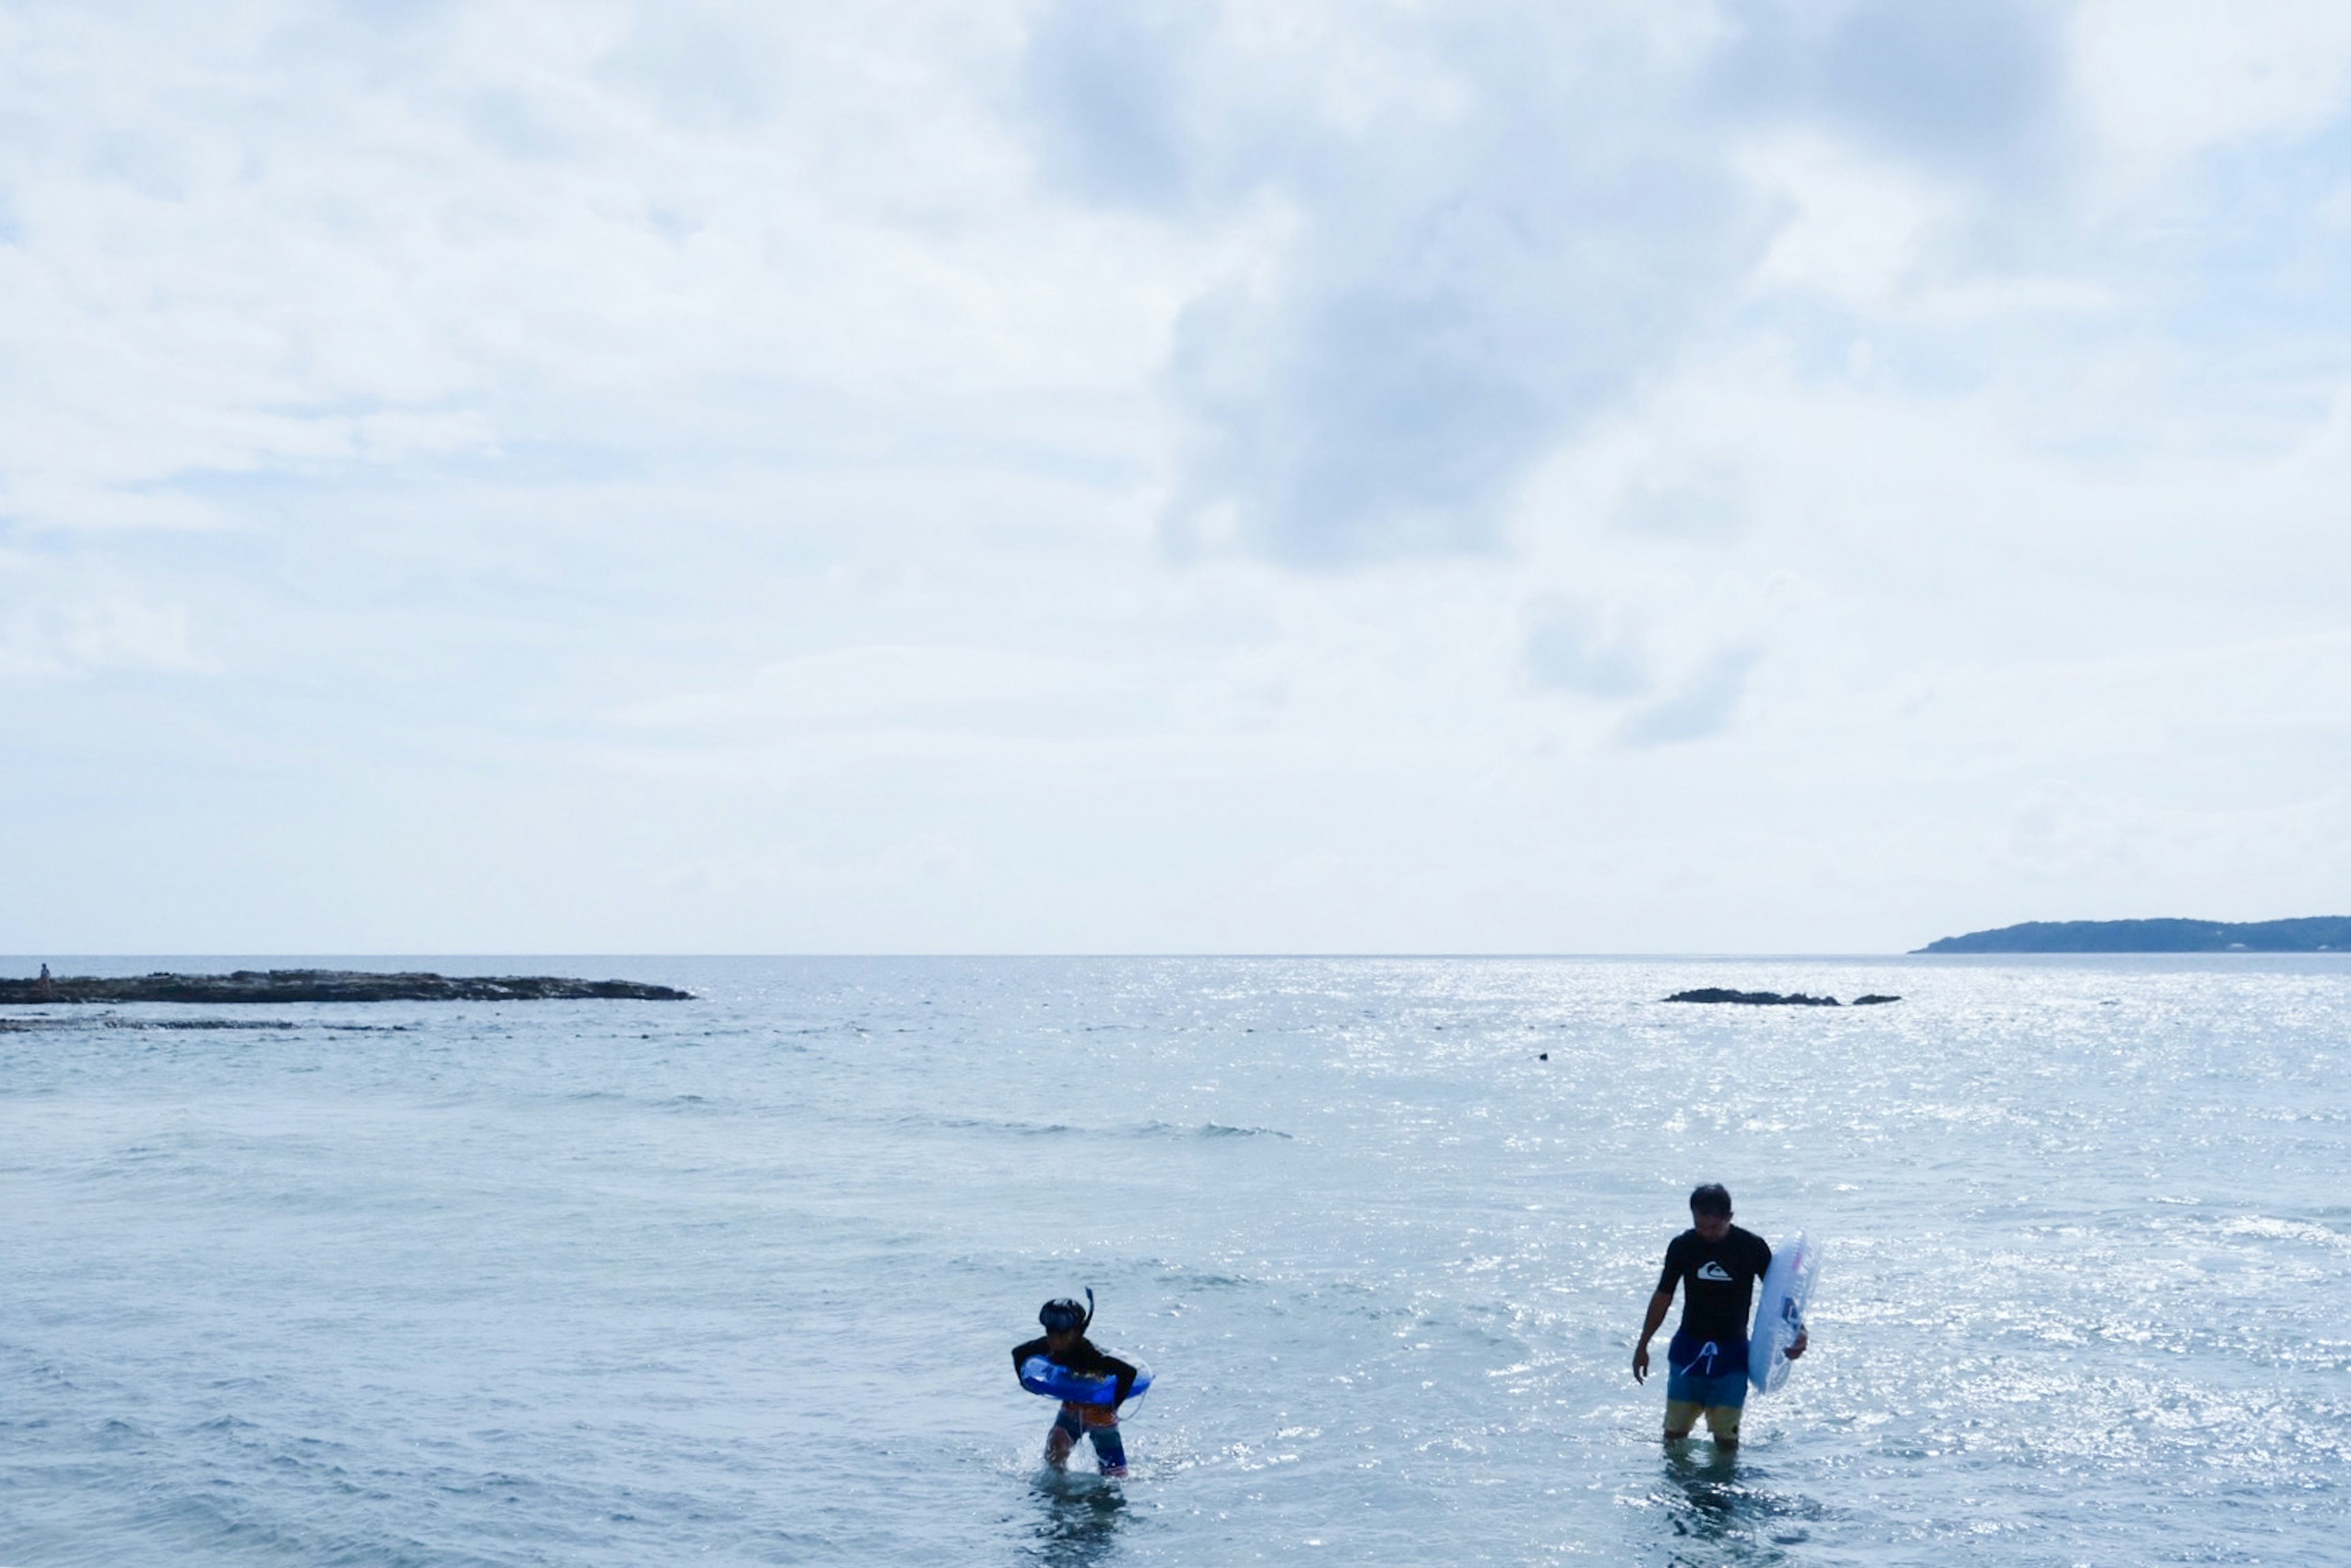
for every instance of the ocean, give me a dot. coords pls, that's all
(733, 1281)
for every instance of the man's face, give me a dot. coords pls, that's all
(1710, 1227)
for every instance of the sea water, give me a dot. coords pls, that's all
(735, 1280)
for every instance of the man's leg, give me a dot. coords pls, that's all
(1722, 1420)
(1062, 1438)
(1681, 1414)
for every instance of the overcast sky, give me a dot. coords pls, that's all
(983, 477)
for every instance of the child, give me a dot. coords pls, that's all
(1065, 1345)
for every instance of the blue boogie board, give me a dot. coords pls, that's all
(1039, 1375)
(1780, 1316)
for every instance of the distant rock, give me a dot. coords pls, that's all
(1754, 999)
(1775, 999)
(2317, 933)
(330, 986)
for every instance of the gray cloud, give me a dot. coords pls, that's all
(1948, 83)
(1105, 83)
(1956, 80)
(1379, 420)
(1465, 286)
(1566, 651)
(1479, 264)
(697, 66)
(1703, 708)
(1467, 279)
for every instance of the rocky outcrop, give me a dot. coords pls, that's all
(1773, 998)
(330, 986)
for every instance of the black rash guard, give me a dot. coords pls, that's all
(1082, 1358)
(1718, 1281)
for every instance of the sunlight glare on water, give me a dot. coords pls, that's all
(733, 1281)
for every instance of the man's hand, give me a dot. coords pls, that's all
(1659, 1304)
(1797, 1349)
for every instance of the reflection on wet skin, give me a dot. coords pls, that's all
(1078, 1520)
(1718, 1520)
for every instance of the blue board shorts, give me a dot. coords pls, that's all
(1706, 1372)
(1687, 1386)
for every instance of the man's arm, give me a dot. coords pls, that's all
(1659, 1304)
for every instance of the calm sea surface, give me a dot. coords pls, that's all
(732, 1281)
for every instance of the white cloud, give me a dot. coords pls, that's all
(886, 682)
(52, 630)
(1855, 233)
(2160, 79)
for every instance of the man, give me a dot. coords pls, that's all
(1716, 1264)
(1065, 1343)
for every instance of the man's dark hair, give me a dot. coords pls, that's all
(1713, 1198)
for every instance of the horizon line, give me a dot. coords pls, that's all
(1690, 956)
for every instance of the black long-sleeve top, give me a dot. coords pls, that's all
(1082, 1358)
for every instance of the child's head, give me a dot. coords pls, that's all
(1064, 1321)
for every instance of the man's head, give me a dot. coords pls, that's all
(1711, 1211)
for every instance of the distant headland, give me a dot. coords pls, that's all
(2319, 934)
(328, 985)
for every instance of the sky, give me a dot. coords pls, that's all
(1691, 475)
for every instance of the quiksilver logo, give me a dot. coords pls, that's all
(1711, 1270)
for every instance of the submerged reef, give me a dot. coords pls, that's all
(329, 985)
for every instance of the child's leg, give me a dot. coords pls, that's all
(1110, 1448)
(1062, 1438)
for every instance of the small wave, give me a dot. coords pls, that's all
(2269, 1230)
(114, 1432)
(1193, 1279)
(981, 1124)
(1059, 1129)
(227, 1424)
(1211, 1130)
